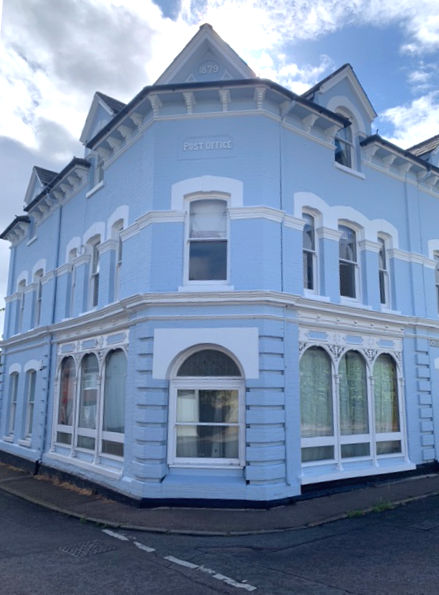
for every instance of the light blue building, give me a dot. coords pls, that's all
(232, 295)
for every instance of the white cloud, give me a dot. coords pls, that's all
(414, 122)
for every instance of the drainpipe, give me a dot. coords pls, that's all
(52, 321)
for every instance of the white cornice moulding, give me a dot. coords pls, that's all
(369, 246)
(326, 233)
(148, 219)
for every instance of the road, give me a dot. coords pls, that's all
(392, 551)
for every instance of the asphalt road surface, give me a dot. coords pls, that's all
(391, 551)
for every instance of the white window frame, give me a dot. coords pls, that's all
(98, 434)
(31, 381)
(337, 440)
(94, 273)
(436, 278)
(344, 137)
(314, 254)
(355, 264)
(72, 283)
(116, 231)
(384, 273)
(12, 403)
(38, 294)
(20, 306)
(205, 383)
(208, 283)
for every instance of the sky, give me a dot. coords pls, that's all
(54, 54)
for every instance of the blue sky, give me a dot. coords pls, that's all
(54, 54)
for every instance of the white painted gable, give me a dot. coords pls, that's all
(206, 58)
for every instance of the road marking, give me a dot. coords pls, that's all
(181, 562)
(185, 563)
(143, 547)
(114, 534)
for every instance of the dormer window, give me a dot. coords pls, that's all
(344, 147)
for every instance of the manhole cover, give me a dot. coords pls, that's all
(89, 548)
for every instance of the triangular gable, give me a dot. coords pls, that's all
(206, 58)
(103, 109)
(39, 179)
(343, 83)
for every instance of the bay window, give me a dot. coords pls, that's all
(206, 413)
(351, 411)
(91, 407)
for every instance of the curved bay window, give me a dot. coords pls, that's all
(355, 414)
(206, 414)
(207, 240)
(91, 407)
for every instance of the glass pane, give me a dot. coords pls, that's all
(382, 254)
(347, 279)
(347, 244)
(114, 393)
(353, 394)
(208, 261)
(86, 442)
(382, 278)
(208, 219)
(308, 232)
(316, 393)
(112, 448)
(389, 447)
(207, 442)
(205, 406)
(67, 392)
(63, 438)
(317, 453)
(89, 392)
(342, 152)
(355, 450)
(308, 270)
(386, 395)
(31, 386)
(208, 362)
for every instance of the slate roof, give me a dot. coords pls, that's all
(114, 104)
(425, 147)
(18, 219)
(45, 175)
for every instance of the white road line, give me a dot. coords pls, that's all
(143, 547)
(114, 534)
(185, 563)
(181, 562)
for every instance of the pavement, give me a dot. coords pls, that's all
(88, 506)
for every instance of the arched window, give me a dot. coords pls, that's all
(344, 149)
(353, 397)
(206, 423)
(116, 231)
(38, 293)
(31, 377)
(88, 396)
(383, 272)
(66, 401)
(113, 423)
(387, 419)
(309, 253)
(348, 263)
(207, 240)
(13, 389)
(94, 271)
(316, 404)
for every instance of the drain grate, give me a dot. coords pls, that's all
(89, 548)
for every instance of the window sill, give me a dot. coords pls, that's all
(31, 241)
(349, 170)
(95, 188)
(315, 296)
(206, 287)
(345, 301)
(8, 438)
(110, 472)
(25, 442)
